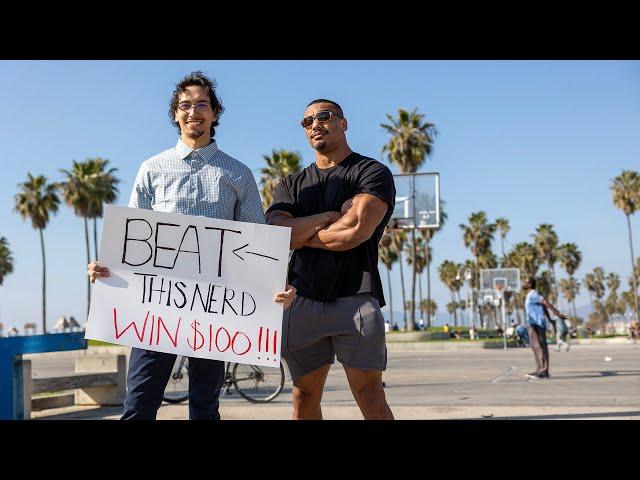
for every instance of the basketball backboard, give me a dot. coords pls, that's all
(417, 201)
(505, 279)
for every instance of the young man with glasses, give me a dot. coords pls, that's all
(192, 178)
(337, 208)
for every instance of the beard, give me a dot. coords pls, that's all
(320, 146)
(195, 133)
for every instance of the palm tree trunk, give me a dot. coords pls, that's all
(412, 325)
(478, 295)
(502, 242)
(633, 270)
(554, 283)
(404, 301)
(95, 238)
(426, 251)
(86, 238)
(455, 315)
(390, 296)
(44, 285)
(420, 296)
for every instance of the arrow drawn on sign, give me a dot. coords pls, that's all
(252, 253)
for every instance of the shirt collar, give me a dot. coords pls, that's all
(207, 152)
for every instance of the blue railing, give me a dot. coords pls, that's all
(11, 351)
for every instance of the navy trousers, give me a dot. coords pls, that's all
(147, 378)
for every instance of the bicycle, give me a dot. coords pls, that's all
(254, 383)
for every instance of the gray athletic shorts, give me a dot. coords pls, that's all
(351, 328)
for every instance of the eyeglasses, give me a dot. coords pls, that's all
(323, 117)
(199, 106)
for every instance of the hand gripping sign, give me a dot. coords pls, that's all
(190, 285)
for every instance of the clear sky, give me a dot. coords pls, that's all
(532, 141)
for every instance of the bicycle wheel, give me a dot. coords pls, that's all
(258, 384)
(177, 389)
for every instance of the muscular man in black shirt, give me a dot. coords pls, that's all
(337, 208)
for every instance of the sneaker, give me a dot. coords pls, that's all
(532, 375)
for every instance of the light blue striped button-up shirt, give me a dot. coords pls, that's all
(205, 182)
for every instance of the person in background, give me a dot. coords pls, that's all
(535, 305)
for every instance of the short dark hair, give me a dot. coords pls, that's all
(532, 282)
(199, 79)
(324, 100)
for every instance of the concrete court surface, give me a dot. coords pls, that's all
(588, 382)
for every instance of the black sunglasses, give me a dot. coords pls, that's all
(323, 117)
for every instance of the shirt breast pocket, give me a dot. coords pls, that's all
(165, 193)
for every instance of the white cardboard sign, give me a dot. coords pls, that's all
(190, 285)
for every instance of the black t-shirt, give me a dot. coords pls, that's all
(324, 275)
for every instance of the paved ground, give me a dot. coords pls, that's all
(463, 384)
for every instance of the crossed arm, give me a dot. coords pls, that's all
(337, 231)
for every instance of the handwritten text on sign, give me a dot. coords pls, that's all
(190, 285)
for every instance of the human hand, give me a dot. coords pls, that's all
(286, 297)
(95, 270)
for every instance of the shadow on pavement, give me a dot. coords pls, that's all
(99, 413)
(575, 416)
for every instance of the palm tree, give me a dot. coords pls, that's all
(502, 224)
(523, 256)
(398, 241)
(78, 192)
(546, 243)
(420, 263)
(477, 236)
(6, 260)
(430, 307)
(279, 164)
(35, 201)
(103, 190)
(570, 288)
(427, 234)
(589, 283)
(472, 279)
(448, 272)
(599, 286)
(410, 144)
(570, 257)
(451, 309)
(626, 197)
(612, 304)
(388, 256)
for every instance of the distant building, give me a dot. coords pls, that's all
(1, 328)
(29, 328)
(73, 324)
(65, 324)
(62, 324)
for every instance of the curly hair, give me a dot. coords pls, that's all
(199, 79)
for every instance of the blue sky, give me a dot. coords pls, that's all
(533, 141)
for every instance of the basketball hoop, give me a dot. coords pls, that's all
(417, 201)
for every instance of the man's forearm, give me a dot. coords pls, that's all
(552, 308)
(338, 237)
(302, 228)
